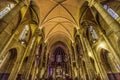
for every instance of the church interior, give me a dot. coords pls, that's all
(59, 39)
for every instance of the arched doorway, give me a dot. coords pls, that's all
(7, 63)
(110, 65)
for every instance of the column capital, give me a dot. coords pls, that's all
(79, 31)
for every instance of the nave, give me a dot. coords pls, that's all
(59, 39)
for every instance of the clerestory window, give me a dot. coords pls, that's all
(111, 11)
(4, 11)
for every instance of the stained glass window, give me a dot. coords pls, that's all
(6, 10)
(111, 12)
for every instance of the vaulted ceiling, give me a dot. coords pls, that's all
(58, 18)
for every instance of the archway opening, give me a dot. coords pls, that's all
(109, 64)
(7, 63)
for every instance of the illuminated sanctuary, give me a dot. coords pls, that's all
(59, 39)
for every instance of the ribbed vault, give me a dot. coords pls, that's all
(58, 18)
(59, 40)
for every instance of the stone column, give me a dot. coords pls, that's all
(75, 54)
(16, 32)
(17, 66)
(115, 26)
(20, 59)
(81, 70)
(90, 70)
(83, 74)
(71, 61)
(109, 43)
(4, 61)
(76, 58)
(98, 62)
(46, 63)
(8, 17)
(29, 63)
(34, 72)
(31, 57)
(41, 61)
(45, 66)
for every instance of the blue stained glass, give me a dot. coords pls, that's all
(111, 12)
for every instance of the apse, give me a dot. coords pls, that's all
(59, 63)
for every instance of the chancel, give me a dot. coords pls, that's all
(59, 39)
